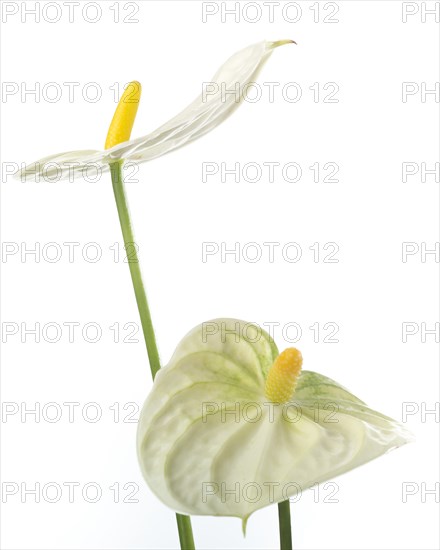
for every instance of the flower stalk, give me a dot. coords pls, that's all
(133, 263)
(183, 522)
(285, 525)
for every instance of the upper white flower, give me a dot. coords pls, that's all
(206, 112)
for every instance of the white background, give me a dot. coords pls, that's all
(369, 293)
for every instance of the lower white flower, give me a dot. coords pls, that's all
(231, 426)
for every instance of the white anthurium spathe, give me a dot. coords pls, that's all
(232, 426)
(220, 97)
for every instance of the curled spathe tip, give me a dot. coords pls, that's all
(278, 43)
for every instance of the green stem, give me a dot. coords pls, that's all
(135, 270)
(183, 522)
(285, 527)
(185, 532)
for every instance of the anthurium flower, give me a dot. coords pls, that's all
(232, 426)
(220, 98)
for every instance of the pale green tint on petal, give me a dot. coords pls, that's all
(201, 116)
(311, 384)
(267, 451)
